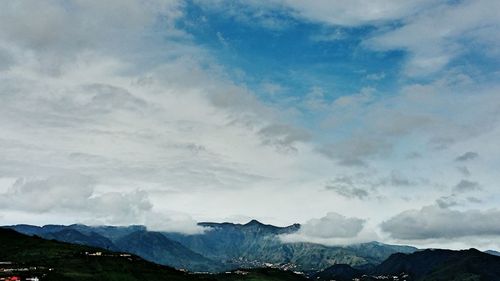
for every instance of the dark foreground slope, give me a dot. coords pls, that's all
(444, 265)
(51, 260)
(427, 265)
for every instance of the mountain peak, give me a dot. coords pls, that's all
(254, 222)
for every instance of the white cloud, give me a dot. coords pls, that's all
(332, 225)
(332, 229)
(43, 195)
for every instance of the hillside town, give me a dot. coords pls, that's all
(10, 271)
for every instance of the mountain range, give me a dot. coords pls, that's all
(24, 257)
(223, 246)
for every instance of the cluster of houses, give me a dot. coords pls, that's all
(19, 278)
(10, 272)
(401, 277)
(101, 254)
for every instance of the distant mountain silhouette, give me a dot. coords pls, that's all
(155, 247)
(73, 236)
(492, 252)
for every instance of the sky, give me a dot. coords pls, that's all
(361, 120)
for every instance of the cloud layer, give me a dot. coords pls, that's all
(124, 112)
(432, 222)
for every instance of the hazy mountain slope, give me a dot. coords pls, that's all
(492, 252)
(378, 251)
(154, 246)
(66, 234)
(73, 236)
(113, 233)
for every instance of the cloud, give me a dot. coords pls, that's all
(345, 186)
(466, 186)
(464, 170)
(43, 195)
(432, 222)
(332, 229)
(355, 151)
(332, 225)
(283, 137)
(56, 33)
(447, 201)
(330, 35)
(376, 76)
(396, 179)
(467, 156)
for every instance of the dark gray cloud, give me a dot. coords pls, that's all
(467, 156)
(441, 143)
(6, 59)
(396, 179)
(474, 200)
(447, 201)
(434, 222)
(413, 155)
(466, 186)
(464, 170)
(283, 137)
(356, 151)
(344, 186)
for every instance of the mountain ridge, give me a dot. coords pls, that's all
(224, 246)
